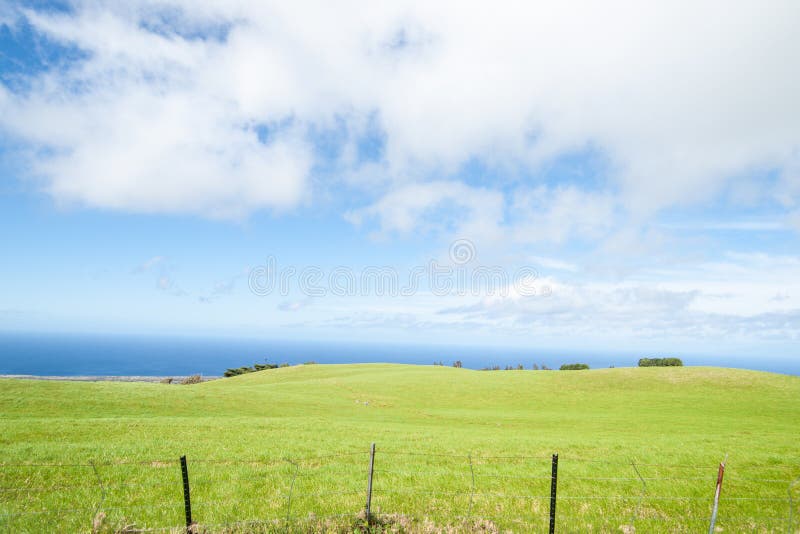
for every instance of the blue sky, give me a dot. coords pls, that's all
(644, 162)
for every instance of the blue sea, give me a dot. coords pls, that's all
(93, 354)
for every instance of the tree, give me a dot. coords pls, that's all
(574, 366)
(256, 367)
(660, 362)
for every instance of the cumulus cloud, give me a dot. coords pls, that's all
(562, 213)
(434, 205)
(212, 107)
(521, 216)
(733, 296)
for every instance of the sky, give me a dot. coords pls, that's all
(623, 175)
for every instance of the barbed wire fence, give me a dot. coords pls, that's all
(381, 487)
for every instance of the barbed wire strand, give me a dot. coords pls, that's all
(270, 476)
(791, 501)
(472, 487)
(635, 512)
(85, 509)
(291, 489)
(102, 489)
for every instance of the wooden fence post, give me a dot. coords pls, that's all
(720, 474)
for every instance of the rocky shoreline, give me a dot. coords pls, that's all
(176, 379)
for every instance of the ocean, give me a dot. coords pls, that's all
(94, 354)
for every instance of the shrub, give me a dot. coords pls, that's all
(194, 379)
(166, 380)
(257, 367)
(574, 366)
(457, 364)
(660, 362)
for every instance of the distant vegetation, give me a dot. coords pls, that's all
(574, 366)
(518, 367)
(194, 379)
(256, 367)
(660, 362)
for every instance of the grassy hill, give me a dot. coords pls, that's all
(453, 445)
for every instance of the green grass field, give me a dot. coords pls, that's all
(454, 447)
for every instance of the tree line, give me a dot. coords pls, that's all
(643, 362)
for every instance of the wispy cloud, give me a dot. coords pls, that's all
(162, 271)
(149, 264)
(223, 288)
(295, 305)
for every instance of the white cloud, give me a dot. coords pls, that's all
(294, 305)
(562, 213)
(149, 264)
(735, 296)
(681, 98)
(794, 220)
(458, 208)
(523, 216)
(7, 15)
(553, 264)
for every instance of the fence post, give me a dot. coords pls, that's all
(720, 473)
(187, 503)
(369, 483)
(553, 486)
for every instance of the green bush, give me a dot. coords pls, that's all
(660, 362)
(257, 367)
(574, 366)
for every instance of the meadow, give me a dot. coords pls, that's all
(288, 450)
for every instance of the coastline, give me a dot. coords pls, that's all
(109, 378)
